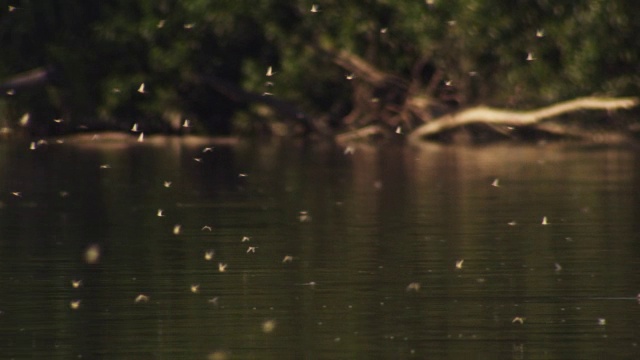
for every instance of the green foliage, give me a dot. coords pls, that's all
(105, 50)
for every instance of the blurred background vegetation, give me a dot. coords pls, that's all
(207, 60)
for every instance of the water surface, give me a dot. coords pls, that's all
(355, 253)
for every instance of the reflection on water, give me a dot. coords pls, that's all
(305, 252)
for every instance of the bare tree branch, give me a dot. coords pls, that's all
(518, 118)
(28, 79)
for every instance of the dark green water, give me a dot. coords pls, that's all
(376, 221)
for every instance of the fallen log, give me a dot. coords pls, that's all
(492, 116)
(361, 133)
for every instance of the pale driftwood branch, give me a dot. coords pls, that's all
(518, 118)
(359, 134)
(28, 79)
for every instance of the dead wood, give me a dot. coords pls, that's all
(361, 133)
(361, 68)
(28, 79)
(533, 118)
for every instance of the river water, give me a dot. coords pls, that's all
(196, 249)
